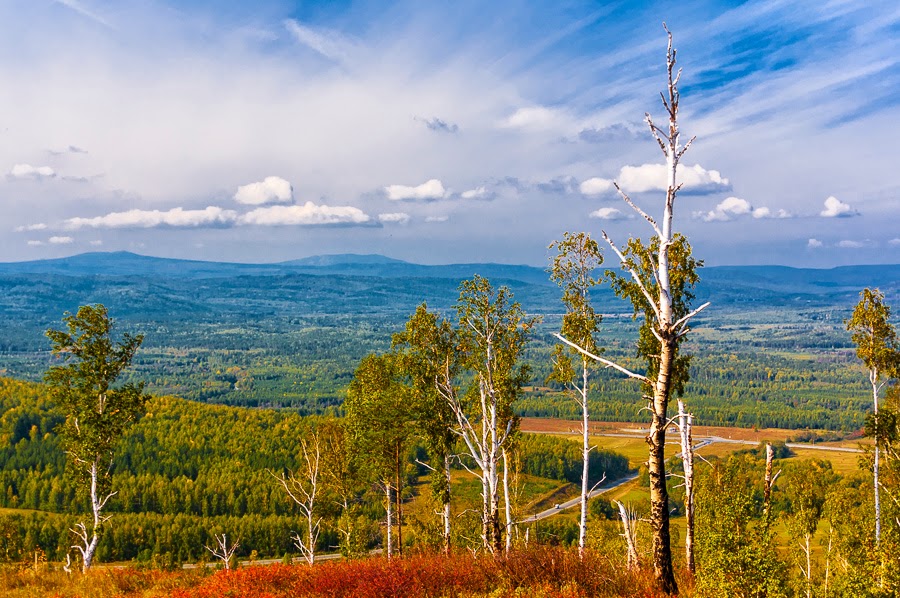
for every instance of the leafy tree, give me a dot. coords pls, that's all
(97, 412)
(578, 255)
(379, 420)
(877, 347)
(429, 358)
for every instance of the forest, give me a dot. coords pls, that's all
(361, 408)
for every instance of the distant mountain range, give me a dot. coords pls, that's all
(347, 282)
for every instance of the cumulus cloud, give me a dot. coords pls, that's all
(835, 208)
(476, 193)
(394, 217)
(608, 214)
(60, 240)
(31, 227)
(430, 189)
(765, 212)
(27, 171)
(174, 218)
(652, 177)
(436, 218)
(309, 214)
(814, 243)
(438, 125)
(894, 242)
(596, 186)
(34, 243)
(847, 244)
(735, 207)
(272, 189)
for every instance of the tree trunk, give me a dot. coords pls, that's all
(390, 545)
(873, 377)
(447, 540)
(506, 502)
(659, 496)
(586, 450)
(687, 456)
(399, 506)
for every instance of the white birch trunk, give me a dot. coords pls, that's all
(686, 422)
(506, 501)
(390, 523)
(586, 453)
(873, 377)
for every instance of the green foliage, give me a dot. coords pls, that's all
(642, 260)
(561, 459)
(736, 555)
(578, 255)
(97, 413)
(873, 334)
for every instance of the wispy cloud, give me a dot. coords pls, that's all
(79, 7)
(329, 43)
(31, 227)
(60, 240)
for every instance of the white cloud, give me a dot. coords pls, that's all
(852, 244)
(272, 189)
(765, 212)
(596, 186)
(309, 214)
(31, 227)
(835, 208)
(430, 189)
(27, 171)
(34, 243)
(727, 209)
(96, 243)
(60, 240)
(396, 217)
(608, 214)
(894, 242)
(652, 177)
(476, 193)
(436, 218)
(175, 218)
(814, 243)
(532, 117)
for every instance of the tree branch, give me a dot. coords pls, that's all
(606, 362)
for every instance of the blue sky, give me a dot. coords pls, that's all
(444, 132)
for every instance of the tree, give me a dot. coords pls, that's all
(572, 268)
(97, 412)
(303, 492)
(658, 278)
(379, 421)
(493, 330)
(877, 347)
(427, 352)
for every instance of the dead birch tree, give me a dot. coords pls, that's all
(572, 268)
(493, 330)
(685, 428)
(658, 279)
(96, 412)
(222, 550)
(303, 491)
(629, 519)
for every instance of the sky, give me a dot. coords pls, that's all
(445, 132)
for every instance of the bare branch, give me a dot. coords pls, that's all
(634, 275)
(684, 319)
(605, 362)
(634, 206)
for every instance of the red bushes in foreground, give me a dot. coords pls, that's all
(542, 573)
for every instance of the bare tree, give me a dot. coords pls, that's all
(222, 550)
(658, 280)
(303, 492)
(685, 427)
(629, 519)
(769, 483)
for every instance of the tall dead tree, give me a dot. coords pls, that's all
(223, 550)
(303, 491)
(658, 280)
